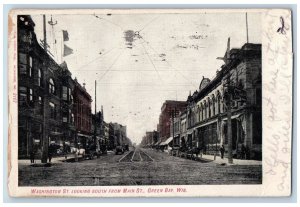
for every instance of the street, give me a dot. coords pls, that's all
(138, 167)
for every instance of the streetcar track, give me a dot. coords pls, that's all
(133, 156)
(124, 157)
(137, 155)
(141, 157)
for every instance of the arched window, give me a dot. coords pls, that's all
(199, 111)
(219, 102)
(51, 86)
(39, 77)
(209, 107)
(205, 110)
(213, 100)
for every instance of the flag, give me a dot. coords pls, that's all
(67, 50)
(65, 35)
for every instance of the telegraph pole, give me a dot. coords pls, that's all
(229, 126)
(95, 120)
(247, 27)
(45, 143)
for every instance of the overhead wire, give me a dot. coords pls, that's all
(112, 65)
(178, 71)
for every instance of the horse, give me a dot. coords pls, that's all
(194, 151)
(78, 152)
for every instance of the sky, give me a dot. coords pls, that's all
(141, 60)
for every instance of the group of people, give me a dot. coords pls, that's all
(243, 153)
(52, 150)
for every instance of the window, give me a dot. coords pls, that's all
(25, 96)
(70, 94)
(39, 77)
(209, 109)
(51, 86)
(70, 116)
(40, 100)
(30, 67)
(65, 119)
(65, 93)
(30, 95)
(22, 95)
(213, 107)
(23, 63)
(52, 110)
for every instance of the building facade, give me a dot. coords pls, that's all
(168, 107)
(40, 103)
(52, 107)
(240, 77)
(82, 114)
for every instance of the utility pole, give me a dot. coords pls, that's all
(247, 27)
(45, 143)
(95, 120)
(173, 128)
(229, 126)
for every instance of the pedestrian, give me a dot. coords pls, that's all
(222, 150)
(50, 152)
(244, 152)
(32, 154)
(65, 150)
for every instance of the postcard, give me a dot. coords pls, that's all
(150, 102)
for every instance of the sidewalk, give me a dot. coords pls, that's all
(58, 159)
(235, 161)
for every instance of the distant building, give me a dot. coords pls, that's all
(150, 138)
(165, 117)
(117, 135)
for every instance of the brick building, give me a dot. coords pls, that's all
(166, 115)
(40, 81)
(82, 113)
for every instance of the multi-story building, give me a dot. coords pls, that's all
(67, 104)
(150, 138)
(40, 81)
(168, 107)
(240, 78)
(82, 113)
(117, 135)
(183, 128)
(175, 131)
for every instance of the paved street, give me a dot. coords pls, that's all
(138, 167)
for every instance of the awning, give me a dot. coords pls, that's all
(233, 117)
(190, 132)
(83, 135)
(167, 141)
(55, 133)
(156, 143)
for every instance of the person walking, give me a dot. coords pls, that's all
(222, 150)
(244, 152)
(32, 154)
(50, 152)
